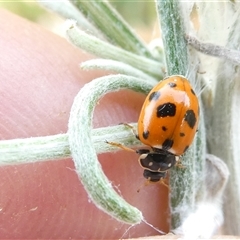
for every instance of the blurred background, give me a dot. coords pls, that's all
(141, 15)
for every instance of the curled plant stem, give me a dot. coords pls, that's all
(84, 155)
(38, 149)
(105, 50)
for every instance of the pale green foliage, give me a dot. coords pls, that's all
(192, 197)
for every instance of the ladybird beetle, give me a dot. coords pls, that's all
(167, 123)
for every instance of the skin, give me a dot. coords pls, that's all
(39, 78)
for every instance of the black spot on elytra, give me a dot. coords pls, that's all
(164, 128)
(190, 118)
(167, 144)
(182, 134)
(193, 92)
(186, 148)
(166, 110)
(154, 96)
(145, 134)
(172, 84)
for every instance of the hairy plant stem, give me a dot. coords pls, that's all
(183, 182)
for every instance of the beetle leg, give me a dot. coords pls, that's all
(132, 128)
(119, 145)
(148, 182)
(179, 163)
(142, 151)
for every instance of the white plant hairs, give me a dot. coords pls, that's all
(220, 93)
(206, 218)
(212, 22)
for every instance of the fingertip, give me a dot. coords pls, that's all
(39, 79)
